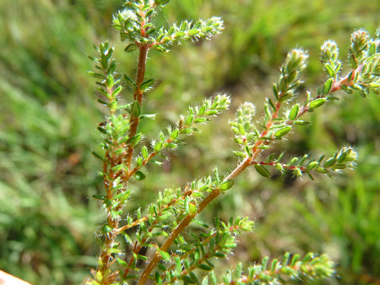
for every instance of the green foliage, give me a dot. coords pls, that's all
(135, 24)
(42, 65)
(175, 210)
(308, 269)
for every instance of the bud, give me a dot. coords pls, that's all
(359, 45)
(329, 50)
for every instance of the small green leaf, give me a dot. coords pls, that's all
(92, 58)
(157, 276)
(135, 140)
(374, 85)
(97, 155)
(264, 263)
(211, 112)
(330, 162)
(179, 34)
(341, 157)
(199, 120)
(174, 134)
(353, 62)
(131, 276)
(239, 153)
(189, 120)
(294, 112)
(271, 104)
(135, 109)
(285, 97)
(123, 195)
(140, 176)
(339, 166)
(262, 170)
(206, 29)
(295, 258)
(144, 152)
(193, 32)
(130, 81)
(96, 75)
(104, 62)
(170, 145)
(165, 256)
(327, 87)
(241, 129)
(117, 91)
(188, 279)
(148, 116)
(301, 123)
(202, 111)
(275, 90)
(118, 167)
(213, 278)
(178, 264)
(346, 89)
(158, 146)
(130, 47)
(121, 262)
(99, 197)
(317, 103)
(102, 130)
(312, 165)
(330, 71)
(102, 102)
(282, 132)
(139, 161)
(219, 255)
(205, 267)
(106, 229)
(226, 185)
(321, 170)
(146, 84)
(371, 49)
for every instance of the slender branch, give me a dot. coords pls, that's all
(204, 242)
(105, 255)
(138, 95)
(192, 267)
(337, 85)
(273, 273)
(272, 163)
(255, 150)
(187, 220)
(171, 203)
(168, 141)
(145, 237)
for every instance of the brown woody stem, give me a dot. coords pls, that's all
(138, 95)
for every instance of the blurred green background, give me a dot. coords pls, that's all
(48, 116)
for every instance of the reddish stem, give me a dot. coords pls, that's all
(138, 95)
(187, 220)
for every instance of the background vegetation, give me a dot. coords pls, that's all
(48, 116)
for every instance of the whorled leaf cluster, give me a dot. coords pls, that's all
(137, 17)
